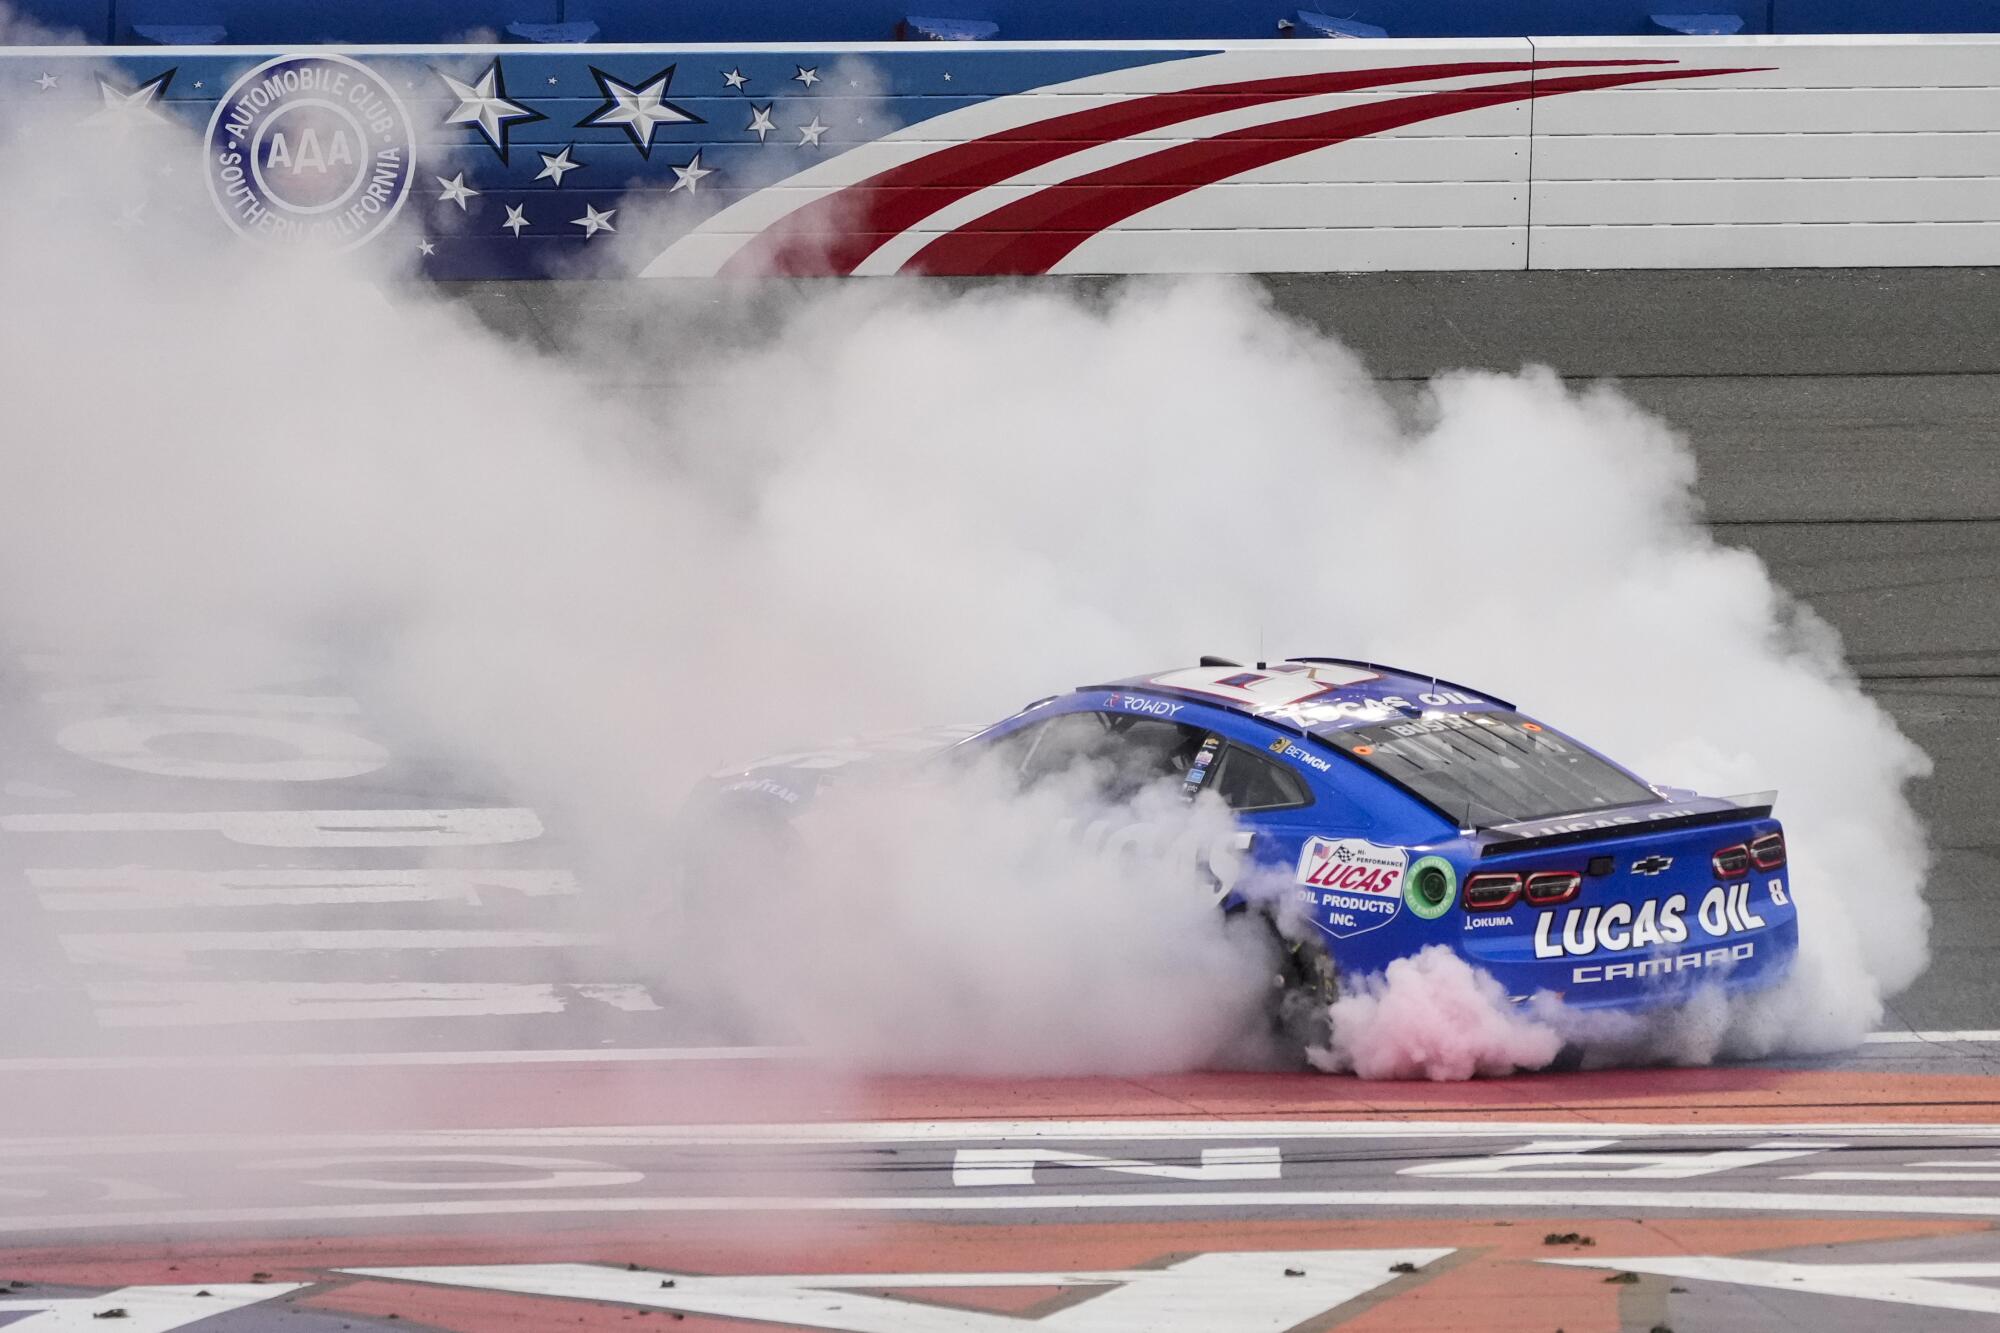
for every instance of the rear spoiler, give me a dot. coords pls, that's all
(1588, 826)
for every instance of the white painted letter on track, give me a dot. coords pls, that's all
(235, 748)
(1579, 1159)
(146, 1309)
(1216, 1293)
(1016, 1166)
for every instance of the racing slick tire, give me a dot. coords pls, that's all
(1303, 991)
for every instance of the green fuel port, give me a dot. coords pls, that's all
(1431, 887)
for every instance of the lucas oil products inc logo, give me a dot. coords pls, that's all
(1354, 885)
(310, 150)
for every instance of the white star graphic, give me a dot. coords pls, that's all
(947, 78)
(809, 134)
(690, 175)
(486, 105)
(734, 78)
(46, 82)
(556, 165)
(760, 122)
(593, 221)
(426, 248)
(637, 110)
(806, 76)
(138, 107)
(456, 191)
(517, 218)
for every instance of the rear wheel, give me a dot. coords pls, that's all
(1304, 989)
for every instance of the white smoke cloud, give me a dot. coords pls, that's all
(1432, 1015)
(957, 923)
(18, 29)
(708, 532)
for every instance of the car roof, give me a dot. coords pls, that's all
(1316, 695)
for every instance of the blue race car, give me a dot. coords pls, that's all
(1403, 811)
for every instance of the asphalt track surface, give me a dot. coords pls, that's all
(455, 1138)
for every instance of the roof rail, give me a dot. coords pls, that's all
(1405, 671)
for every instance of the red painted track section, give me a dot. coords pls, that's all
(1494, 1283)
(1494, 1276)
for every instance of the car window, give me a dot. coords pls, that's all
(1124, 753)
(1492, 767)
(1251, 782)
(1129, 753)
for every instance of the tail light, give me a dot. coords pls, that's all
(1732, 862)
(1551, 888)
(1492, 892)
(1768, 852)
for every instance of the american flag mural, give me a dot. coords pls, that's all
(937, 158)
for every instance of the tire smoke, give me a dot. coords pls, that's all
(722, 522)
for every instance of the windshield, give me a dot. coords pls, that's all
(1491, 768)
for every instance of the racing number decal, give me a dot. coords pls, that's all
(1280, 686)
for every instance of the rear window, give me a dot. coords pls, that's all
(1491, 768)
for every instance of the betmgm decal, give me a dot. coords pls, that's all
(311, 150)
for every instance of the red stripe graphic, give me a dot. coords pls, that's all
(834, 233)
(1031, 235)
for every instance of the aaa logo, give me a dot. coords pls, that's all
(310, 150)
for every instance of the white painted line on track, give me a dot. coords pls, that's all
(50, 1064)
(1562, 1200)
(1926, 1037)
(305, 828)
(145, 888)
(926, 1131)
(149, 946)
(201, 1004)
(1946, 1175)
(1939, 1286)
(36, 1064)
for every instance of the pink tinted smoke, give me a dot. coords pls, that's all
(1433, 1016)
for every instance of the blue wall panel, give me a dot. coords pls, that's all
(262, 22)
(352, 22)
(1887, 16)
(89, 19)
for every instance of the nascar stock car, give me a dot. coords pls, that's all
(1400, 811)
